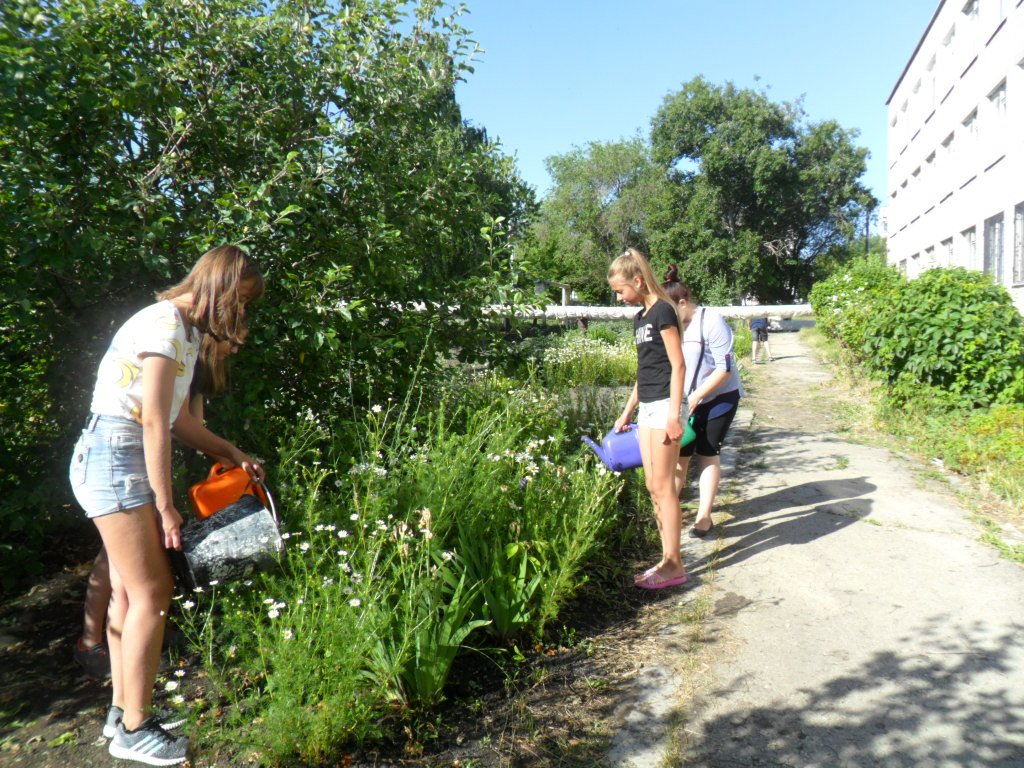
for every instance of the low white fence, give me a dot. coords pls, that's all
(582, 312)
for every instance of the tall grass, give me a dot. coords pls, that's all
(602, 356)
(418, 533)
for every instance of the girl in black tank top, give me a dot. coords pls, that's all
(659, 395)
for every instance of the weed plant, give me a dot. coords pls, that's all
(447, 526)
(578, 358)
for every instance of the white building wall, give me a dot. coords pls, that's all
(956, 145)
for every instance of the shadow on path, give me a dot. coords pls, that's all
(791, 516)
(939, 702)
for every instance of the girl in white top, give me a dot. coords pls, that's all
(712, 394)
(121, 475)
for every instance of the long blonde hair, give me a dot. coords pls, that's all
(215, 282)
(632, 264)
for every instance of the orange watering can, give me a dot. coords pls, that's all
(221, 488)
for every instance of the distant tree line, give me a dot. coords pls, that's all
(745, 195)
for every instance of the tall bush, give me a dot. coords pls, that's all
(849, 302)
(323, 137)
(952, 330)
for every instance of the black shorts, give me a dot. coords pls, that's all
(711, 432)
(760, 334)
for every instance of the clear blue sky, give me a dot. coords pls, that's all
(562, 73)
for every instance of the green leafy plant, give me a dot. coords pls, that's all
(949, 329)
(848, 303)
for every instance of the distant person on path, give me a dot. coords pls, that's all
(712, 394)
(658, 393)
(759, 332)
(91, 647)
(121, 475)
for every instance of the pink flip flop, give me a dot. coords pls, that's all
(657, 581)
(646, 574)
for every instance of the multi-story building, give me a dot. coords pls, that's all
(955, 195)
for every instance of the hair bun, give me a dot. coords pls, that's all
(672, 274)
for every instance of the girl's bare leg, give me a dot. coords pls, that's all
(682, 467)
(660, 460)
(97, 598)
(142, 584)
(710, 476)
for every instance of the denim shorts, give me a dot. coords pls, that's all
(654, 414)
(108, 467)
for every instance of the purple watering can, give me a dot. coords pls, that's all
(618, 450)
(621, 450)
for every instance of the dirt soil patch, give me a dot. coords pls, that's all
(556, 706)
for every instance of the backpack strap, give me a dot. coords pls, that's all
(700, 360)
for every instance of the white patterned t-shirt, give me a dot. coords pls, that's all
(156, 330)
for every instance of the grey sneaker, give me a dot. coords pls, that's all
(168, 720)
(149, 744)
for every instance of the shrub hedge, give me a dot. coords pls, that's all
(951, 335)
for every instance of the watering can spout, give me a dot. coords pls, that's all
(595, 448)
(618, 450)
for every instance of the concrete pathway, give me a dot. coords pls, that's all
(857, 620)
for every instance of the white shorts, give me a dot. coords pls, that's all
(654, 414)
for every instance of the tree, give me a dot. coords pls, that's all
(597, 208)
(323, 137)
(768, 194)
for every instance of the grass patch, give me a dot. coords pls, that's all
(840, 462)
(992, 534)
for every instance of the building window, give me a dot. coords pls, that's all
(969, 244)
(929, 256)
(1018, 243)
(971, 123)
(947, 142)
(970, 9)
(902, 266)
(948, 39)
(993, 263)
(997, 98)
(947, 250)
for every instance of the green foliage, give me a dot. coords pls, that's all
(949, 347)
(323, 137)
(742, 193)
(576, 359)
(952, 330)
(595, 211)
(742, 338)
(410, 534)
(950, 336)
(986, 444)
(849, 302)
(767, 194)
